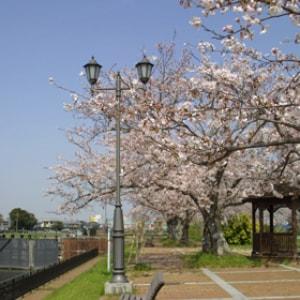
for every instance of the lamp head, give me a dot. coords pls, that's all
(144, 69)
(92, 71)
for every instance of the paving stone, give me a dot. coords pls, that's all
(256, 275)
(270, 289)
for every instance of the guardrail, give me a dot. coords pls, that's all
(12, 289)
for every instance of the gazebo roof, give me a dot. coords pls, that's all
(283, 196)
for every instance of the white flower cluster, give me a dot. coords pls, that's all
(196, 22)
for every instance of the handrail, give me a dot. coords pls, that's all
(14, 288)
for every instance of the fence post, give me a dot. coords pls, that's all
(13, 289)
(108, 248)
(30, 253)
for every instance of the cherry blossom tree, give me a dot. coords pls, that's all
(208, 132)
(172, 137)
(250, 15)
(270, 115)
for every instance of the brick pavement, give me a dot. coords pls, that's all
(182, 285)
(239, 284)
(263, 283)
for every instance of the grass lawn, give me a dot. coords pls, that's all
(241, 249)
(88, 285)
(206, 260)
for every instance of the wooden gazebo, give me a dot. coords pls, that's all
(267, 242)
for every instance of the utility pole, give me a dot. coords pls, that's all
(17, 221)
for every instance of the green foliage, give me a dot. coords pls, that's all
(22, 219)
(195, 237)
(34, 235)
(142, 267)
(88, 285)
(195, 232)
(167, 242)
(241, 249)
(200, 260)
(238, 230)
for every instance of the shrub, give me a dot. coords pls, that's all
(238, 230)
(195, 232)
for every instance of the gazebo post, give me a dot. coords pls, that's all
(261, 229)
(271, 218)
(271, 212)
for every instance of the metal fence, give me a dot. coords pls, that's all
(14, 253)
(15, 288)
(28, 254)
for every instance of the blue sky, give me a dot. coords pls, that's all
(55, 38)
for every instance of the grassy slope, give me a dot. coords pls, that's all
(88, 285)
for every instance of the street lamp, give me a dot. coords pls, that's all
(144, 69)
(119, 282)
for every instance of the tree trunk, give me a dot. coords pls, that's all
(185, 232)
(172, 228)
(213, 237)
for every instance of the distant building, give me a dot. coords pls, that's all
(72, 225)
(47, 224)
(4, 225)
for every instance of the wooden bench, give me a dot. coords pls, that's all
(156, 284)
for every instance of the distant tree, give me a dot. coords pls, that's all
(1, 218)
(20, 219)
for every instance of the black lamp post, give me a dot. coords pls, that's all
(144, 70)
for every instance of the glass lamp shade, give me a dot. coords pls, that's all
(144, 70)
(92, 71)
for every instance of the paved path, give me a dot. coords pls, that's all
(58, 282)
(261, 283)
(233, 292)
(276, 283)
